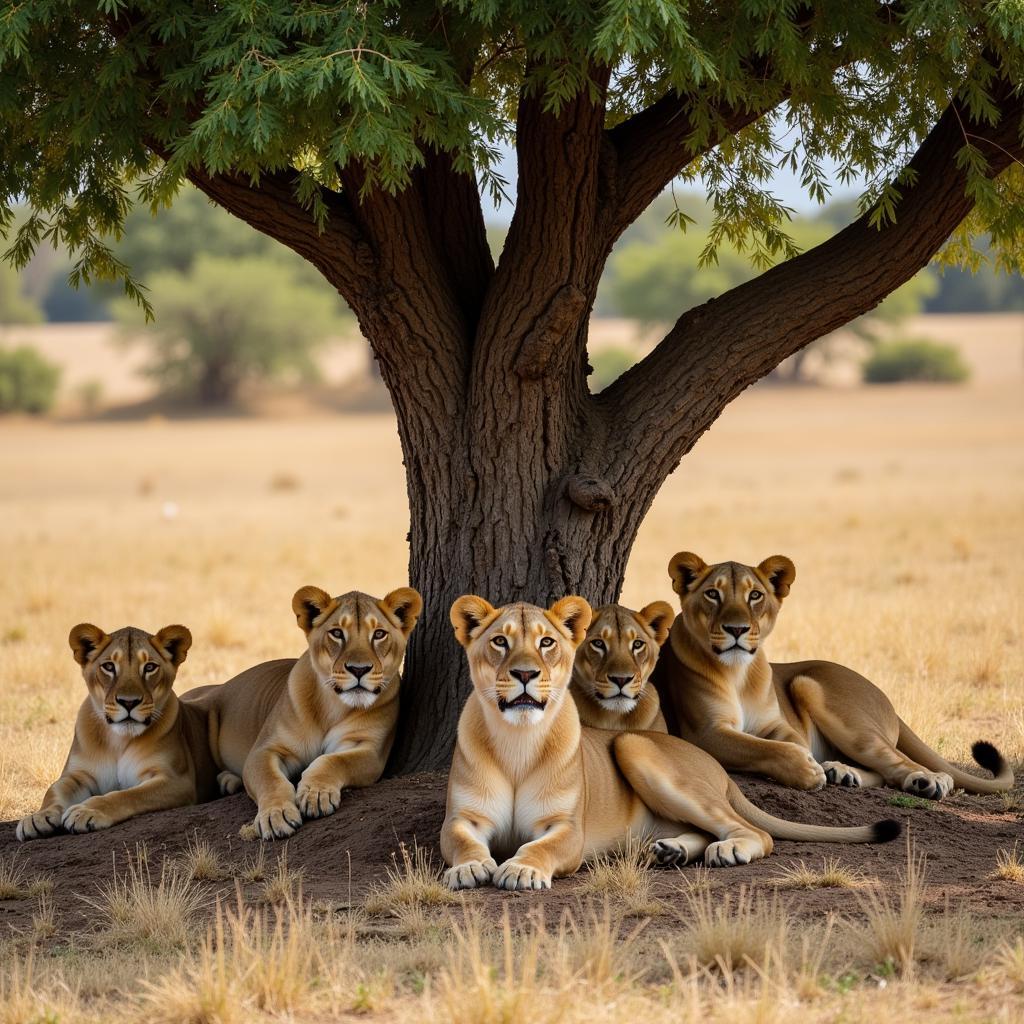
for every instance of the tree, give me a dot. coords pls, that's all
(224, 321)
(356, 134)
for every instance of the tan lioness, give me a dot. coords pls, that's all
(136, 748)
(613, 665)
(326, 720)
(806, 723)
(530, 786)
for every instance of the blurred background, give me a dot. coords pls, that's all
(201, 468)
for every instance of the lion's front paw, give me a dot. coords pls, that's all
(515, 875)
(83, 818)
(471, 874)
(839, 774)
(802, 771)
(317, 800)
(277, 822)
(676, 851)
(228, 783)
(932, 785)
(35, 826)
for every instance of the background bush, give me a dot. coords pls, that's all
(608, 364)
(916, 359)
(28, 382)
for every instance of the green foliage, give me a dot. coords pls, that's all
(28, 382)
(916, 359)
(91, 94)
(15, 307)
(225, 321)
(609, 364)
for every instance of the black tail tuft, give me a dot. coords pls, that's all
(886, 830)
(988, 757)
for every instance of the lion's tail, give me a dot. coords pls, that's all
(984, 753)
(883, 831)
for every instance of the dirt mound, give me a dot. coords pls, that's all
(341, 857)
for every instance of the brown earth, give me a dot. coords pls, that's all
(341, 857)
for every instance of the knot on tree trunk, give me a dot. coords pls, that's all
(551, 328)
(590, 493)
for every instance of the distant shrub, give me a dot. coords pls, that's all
(28, 382)
(608, 364)
(915, 359)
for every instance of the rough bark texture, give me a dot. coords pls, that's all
(521, 484)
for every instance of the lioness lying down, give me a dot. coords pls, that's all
(530, 787)
(807, 723)
(613, 665)
(137, 748)
(297, 732)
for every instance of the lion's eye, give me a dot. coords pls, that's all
(379, 634)
(546, 641)
(109, 666)
(756, 595)
(638, 645)
(336, 633)
(598, 645)
(713, 595)
(149, 668)
(499, 641)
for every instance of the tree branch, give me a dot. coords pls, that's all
(717, 349)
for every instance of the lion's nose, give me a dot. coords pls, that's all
(524, 675)
(620, 681)
(358, 670)
(736, 631)
(129, 702)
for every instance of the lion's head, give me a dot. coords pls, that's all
(729, 609)
(129, 672)
(520, 656)
(619, 653)
(356, 642)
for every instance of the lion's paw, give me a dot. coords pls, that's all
(676, 851)
(83, 818)
(471, 874)
(839, 774)
(931, 785)
(35, 826)
(729, 852)
(277, 822)
(228, 783)
(317, 801)
(517, 876)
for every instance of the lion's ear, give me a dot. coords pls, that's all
(658, 617)
(572, 615)
(309, 603)
(405, 605)
(85, 640)
(685, 568)
(468, 615)
(174, 641)
(778, 572)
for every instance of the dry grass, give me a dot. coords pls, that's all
(1009, 865)
(202, 863)
(832, 874)
(624, 875)
(17, 884)
(889, 935)
(413, 882)
(283, 885)
(140, 910)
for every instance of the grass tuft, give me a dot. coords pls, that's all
(413, 880)
(832, 874)
(624, 875)
(201, 862)
(284, 885)
(1009, 865)
(17, 884)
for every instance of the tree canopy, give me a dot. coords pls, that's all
(98, 99)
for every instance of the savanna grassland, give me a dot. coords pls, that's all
(903, 509)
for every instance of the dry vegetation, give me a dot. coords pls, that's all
(902, 510)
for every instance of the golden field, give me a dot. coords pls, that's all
(903, 508)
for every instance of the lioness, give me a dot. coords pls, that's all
(799, 723)
(531, 786)
(136, 748)
(325, 720)
(613, 665)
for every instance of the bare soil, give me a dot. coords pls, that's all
(343, 856)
